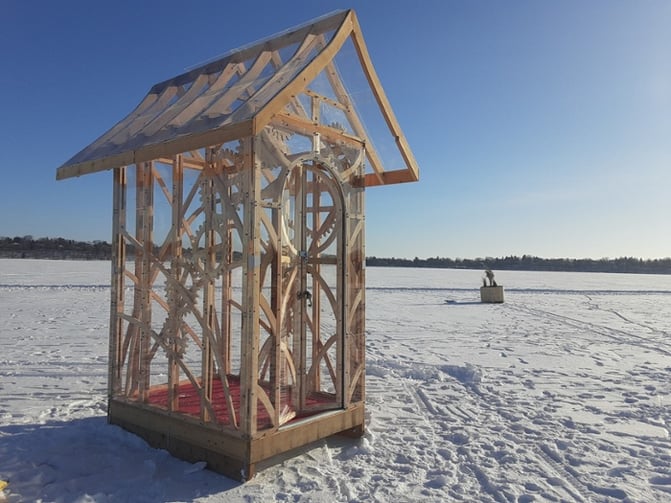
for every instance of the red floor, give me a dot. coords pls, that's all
(189, 401)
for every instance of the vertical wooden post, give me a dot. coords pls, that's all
(347, 275)
(133, 338)
(360, 270)
(341, 210)
(145, 224)
(300, 303)
(276, 296)
(355, 299)
(176, 230)
(317, 202)
(117, 281)
(251, 290)
(226, 279)
(207, 362)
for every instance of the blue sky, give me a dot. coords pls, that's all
(539, 127)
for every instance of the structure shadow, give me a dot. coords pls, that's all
(462, 302)
(82, 458)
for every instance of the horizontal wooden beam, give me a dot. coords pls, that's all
(185, 439)
(224, 451)
(186, 162)
(390, 177)
(159, 150)
(328, 101)
(306, 431)
(307, 128)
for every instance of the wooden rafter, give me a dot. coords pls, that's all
(383, 102)
(359, 129)
(306, 75)
(238, 95)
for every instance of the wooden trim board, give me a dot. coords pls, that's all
(225, 453)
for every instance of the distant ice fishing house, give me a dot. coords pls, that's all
(237, 304)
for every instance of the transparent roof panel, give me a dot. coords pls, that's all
(335, 117)
(245, 80)
(322, 86)
(287, 52)
(367, 109)
(244, 90)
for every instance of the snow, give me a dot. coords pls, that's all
(562, 393)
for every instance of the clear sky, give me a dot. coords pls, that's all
(540, 127)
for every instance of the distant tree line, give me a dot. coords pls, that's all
(54, 248)
(531, 263)
(69, 249)
(60, 248)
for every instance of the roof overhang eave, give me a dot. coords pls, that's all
(154, 151)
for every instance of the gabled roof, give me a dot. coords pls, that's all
(244, 91)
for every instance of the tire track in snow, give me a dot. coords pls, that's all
(423, 403)
(627, 320)
(610, 333)
(565, 478)
(561, 482)
(569, 482)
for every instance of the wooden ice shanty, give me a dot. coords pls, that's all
(237, 300)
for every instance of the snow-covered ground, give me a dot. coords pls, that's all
(562, 393)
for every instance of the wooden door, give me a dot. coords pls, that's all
(312, 345)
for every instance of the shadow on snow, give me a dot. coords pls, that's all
(69, 460)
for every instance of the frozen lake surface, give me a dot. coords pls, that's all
(562, 393)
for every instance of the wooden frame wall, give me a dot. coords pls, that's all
(169, 275)
(215, 294)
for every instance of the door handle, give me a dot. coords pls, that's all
(305, 295)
